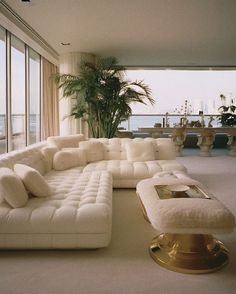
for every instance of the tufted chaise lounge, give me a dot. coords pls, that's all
(78, 213)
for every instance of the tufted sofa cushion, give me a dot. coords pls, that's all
(94, 150)
(115, 148)
(127, 174)
(140, 151)
(78, 214)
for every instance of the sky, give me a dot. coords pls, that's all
(170, 89)
(18, 81)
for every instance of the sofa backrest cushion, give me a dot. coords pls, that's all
(65, 141)
(30, 155)
(115, 148)
(166, 149)
(140, 151)
(33, 181)
(68, 158)
(12, 189)
(94, 150)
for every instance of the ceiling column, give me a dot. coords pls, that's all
(70, 64)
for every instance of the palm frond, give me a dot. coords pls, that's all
(223, 108)
(100, 92)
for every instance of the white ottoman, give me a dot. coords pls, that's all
(185, 225)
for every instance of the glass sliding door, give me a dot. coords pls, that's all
(18, 106)
(34, 97)
(20, 93)
(3, 117)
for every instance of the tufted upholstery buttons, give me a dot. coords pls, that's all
(122, 170)
(80, 209)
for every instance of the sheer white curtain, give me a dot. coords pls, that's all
(50, 101)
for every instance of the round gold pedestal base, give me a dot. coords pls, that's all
(189, 253)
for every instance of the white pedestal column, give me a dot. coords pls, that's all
(232, 143)
(205, 142)
(179, 136)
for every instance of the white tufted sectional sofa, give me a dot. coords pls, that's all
(78, 211)
(113, 155)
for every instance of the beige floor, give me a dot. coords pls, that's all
(125, 266)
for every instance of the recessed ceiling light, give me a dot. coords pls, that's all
(65, 44)
(28, 2)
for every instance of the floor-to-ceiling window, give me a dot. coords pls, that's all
(34, 97)
(3, 121)
(18, 90)
(20, 93)
(200, 88)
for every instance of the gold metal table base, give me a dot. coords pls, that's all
(189, 253)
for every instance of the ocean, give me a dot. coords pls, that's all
(18, 123)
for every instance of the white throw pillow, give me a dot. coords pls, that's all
(12, 189)
(33, 180)
(140, 151)
(68, 158)
(94, 150)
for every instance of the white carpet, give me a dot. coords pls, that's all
(125, 266)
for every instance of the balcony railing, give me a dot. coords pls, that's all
(137, 121)
(134, 122)
(18, 137)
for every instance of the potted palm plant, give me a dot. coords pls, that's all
(228, 115)
(102, 96)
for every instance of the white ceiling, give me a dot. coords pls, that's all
(138, 32)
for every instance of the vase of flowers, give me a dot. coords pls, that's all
(184, 110)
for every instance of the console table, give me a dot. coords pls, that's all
(206, 137)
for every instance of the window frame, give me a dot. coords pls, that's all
(8, 89)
